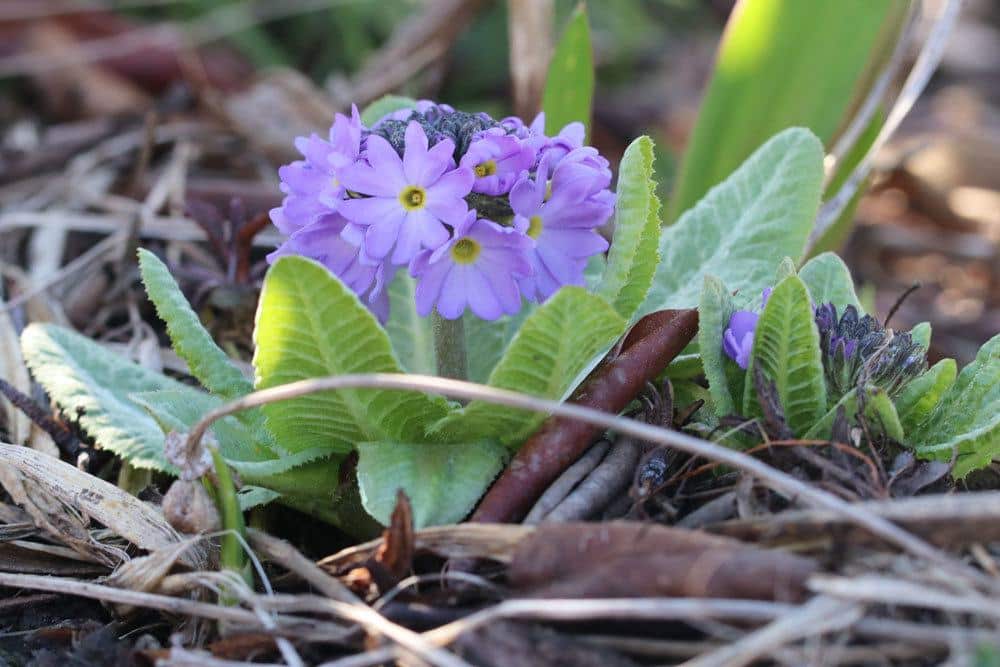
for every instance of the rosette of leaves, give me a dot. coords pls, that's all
(812, 380)
(443, 455)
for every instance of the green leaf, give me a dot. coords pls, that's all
(248, 453)
(557, 341)
(192, 342)
(634, 254)
(92, 384)
(921, 334)
(411, 335)
(829, 281)
(786, 348)
(310, 325)
(917, 399)
(308, 480)
(766, 79)
(383, 106)
(786, 267)
(250, 497)
(967, 418)
(569, 86)
(442, 481)
(880, 414)
(745, 226)
(714, 310)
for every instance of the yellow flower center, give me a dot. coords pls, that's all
(534, 226)
(487, 168)
(465, 251)
(413, 198)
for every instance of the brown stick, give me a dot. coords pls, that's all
(647, 349)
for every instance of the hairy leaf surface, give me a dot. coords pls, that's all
(829, 281)
(967, 418)
(786, 348)
(714, 310)
(917, 400)
(310, 325)
(92, 384)
(442, 481)
(744, 226)
(634, 251)
(191, 341)
(557, 341)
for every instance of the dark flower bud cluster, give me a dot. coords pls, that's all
(858, 350)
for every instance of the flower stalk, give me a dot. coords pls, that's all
(449, 347)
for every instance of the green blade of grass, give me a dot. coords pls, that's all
(784, 63)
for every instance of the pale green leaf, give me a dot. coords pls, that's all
(92, 385)
(569, 86)
(245, 451)
(310, 325)
(714, 311)
(442, 481)
(917, 399)
(634, 252)
(743, 227)
(921, 334)
(786, 267)
(411, 335)
(829, 281)
(192, 342)
(250, 497)
(786, 348)
(967, 418)
(383, 106)
(557, 341)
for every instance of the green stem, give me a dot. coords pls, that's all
(232, 555)
(449, 347)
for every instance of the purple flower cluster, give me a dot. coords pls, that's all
(482, 213)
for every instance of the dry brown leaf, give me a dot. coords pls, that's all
(59, 497)
(396, 553)
(631, 559)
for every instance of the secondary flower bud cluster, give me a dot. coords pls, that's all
(856, 349)
(482, 213)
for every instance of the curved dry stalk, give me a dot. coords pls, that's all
(653, 609)
(927, 62)
(781, 482)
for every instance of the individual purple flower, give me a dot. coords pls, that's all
(410, 199)
(478, 268)
(570, 138)
(322, 241)
(737, 339)
(497, 160)
(312, 186)
(562, 223)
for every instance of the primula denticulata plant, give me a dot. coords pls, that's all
(428, 240)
